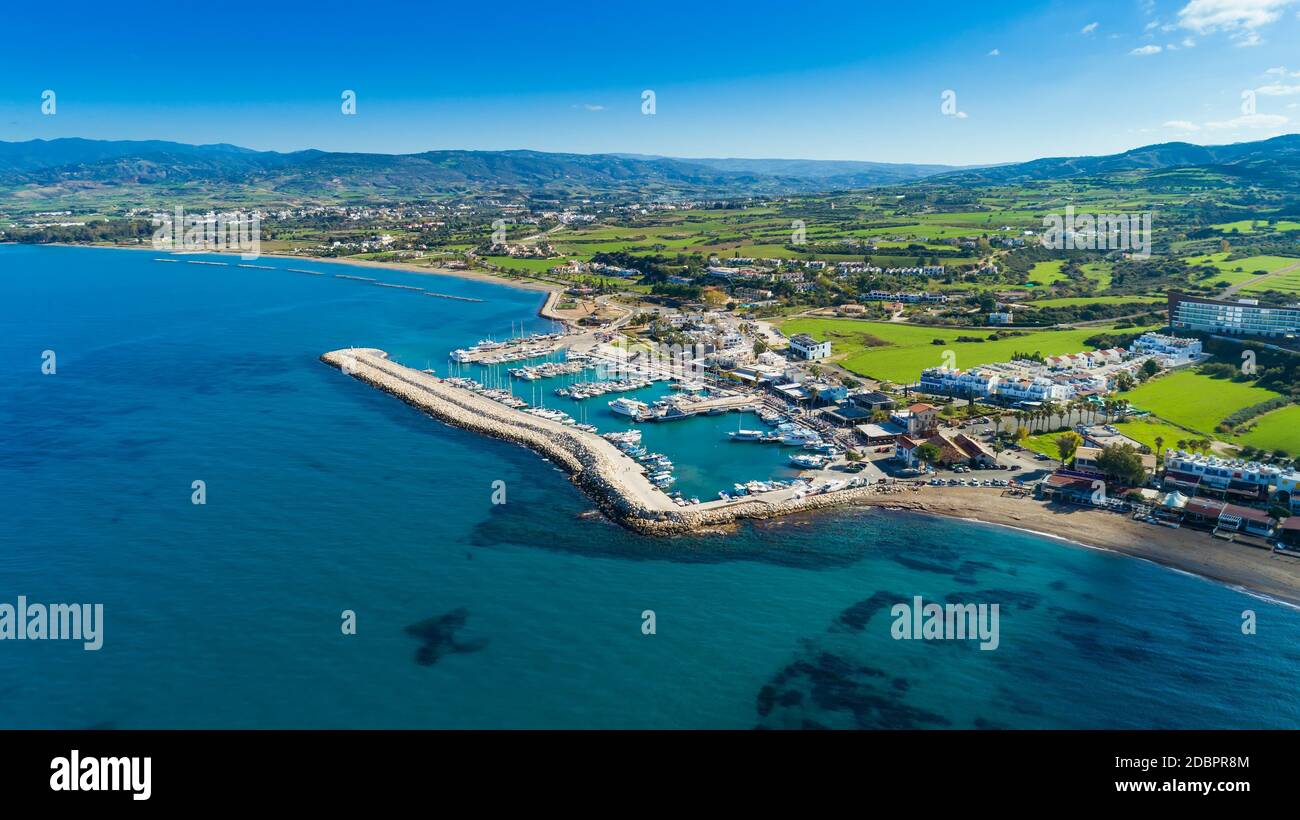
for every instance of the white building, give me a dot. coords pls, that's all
(1171, 350)
(806, 347)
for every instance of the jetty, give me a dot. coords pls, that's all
(614, 480)
(454, 298)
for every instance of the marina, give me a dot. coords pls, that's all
(627, 475)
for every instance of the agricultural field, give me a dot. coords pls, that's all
(1277, 430)
(1196, 401)
(898, 352)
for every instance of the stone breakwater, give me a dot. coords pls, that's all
(613, 480)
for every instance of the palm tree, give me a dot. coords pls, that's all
(1160, 450)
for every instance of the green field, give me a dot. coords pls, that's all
(525, 265)
(1146, 430)
(1288, 282)
(898, 352)
(1195, 401)
(1249, 226)
(1237, 271)
(1100, 272)
(1278, 430)
(1071, 301)
(1047, 273)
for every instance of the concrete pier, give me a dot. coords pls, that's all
(613, 480)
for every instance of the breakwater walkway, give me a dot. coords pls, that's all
(613, 480)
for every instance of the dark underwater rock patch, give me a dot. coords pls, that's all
(438, 639)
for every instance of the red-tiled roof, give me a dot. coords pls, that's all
(1247, 513)
(1204, 506)
(1061, 482)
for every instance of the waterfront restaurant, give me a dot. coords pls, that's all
(1067, 489)
(1235, 518)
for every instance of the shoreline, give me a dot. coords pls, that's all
(1253, 571)
(472, 275)
(614, 482)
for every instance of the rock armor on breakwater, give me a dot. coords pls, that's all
(613, 480)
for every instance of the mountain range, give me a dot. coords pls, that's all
(74, 170)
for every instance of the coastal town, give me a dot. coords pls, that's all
(578, 396)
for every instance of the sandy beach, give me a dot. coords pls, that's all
(1238, 565)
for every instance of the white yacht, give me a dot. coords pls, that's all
(746, 435)
(799, 437)
(628, 407)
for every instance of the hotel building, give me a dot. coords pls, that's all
(1244, 317)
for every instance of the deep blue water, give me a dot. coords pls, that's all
(325, 495)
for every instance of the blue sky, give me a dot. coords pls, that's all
(822, 80)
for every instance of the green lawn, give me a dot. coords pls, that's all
(898, 352)
(1279, 429)
(525, 265)
(1146, 430)
(1044, 443)
(1195, 401)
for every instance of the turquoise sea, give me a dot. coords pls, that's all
(324, 495)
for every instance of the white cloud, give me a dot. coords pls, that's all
(1239, 18)
(1278, 90)
(1089, 29)
(1145, 51)
(1188, 42)
(961, 115)
(995, 52)
(1248, 121)
(1244, 122)
(593, 107)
